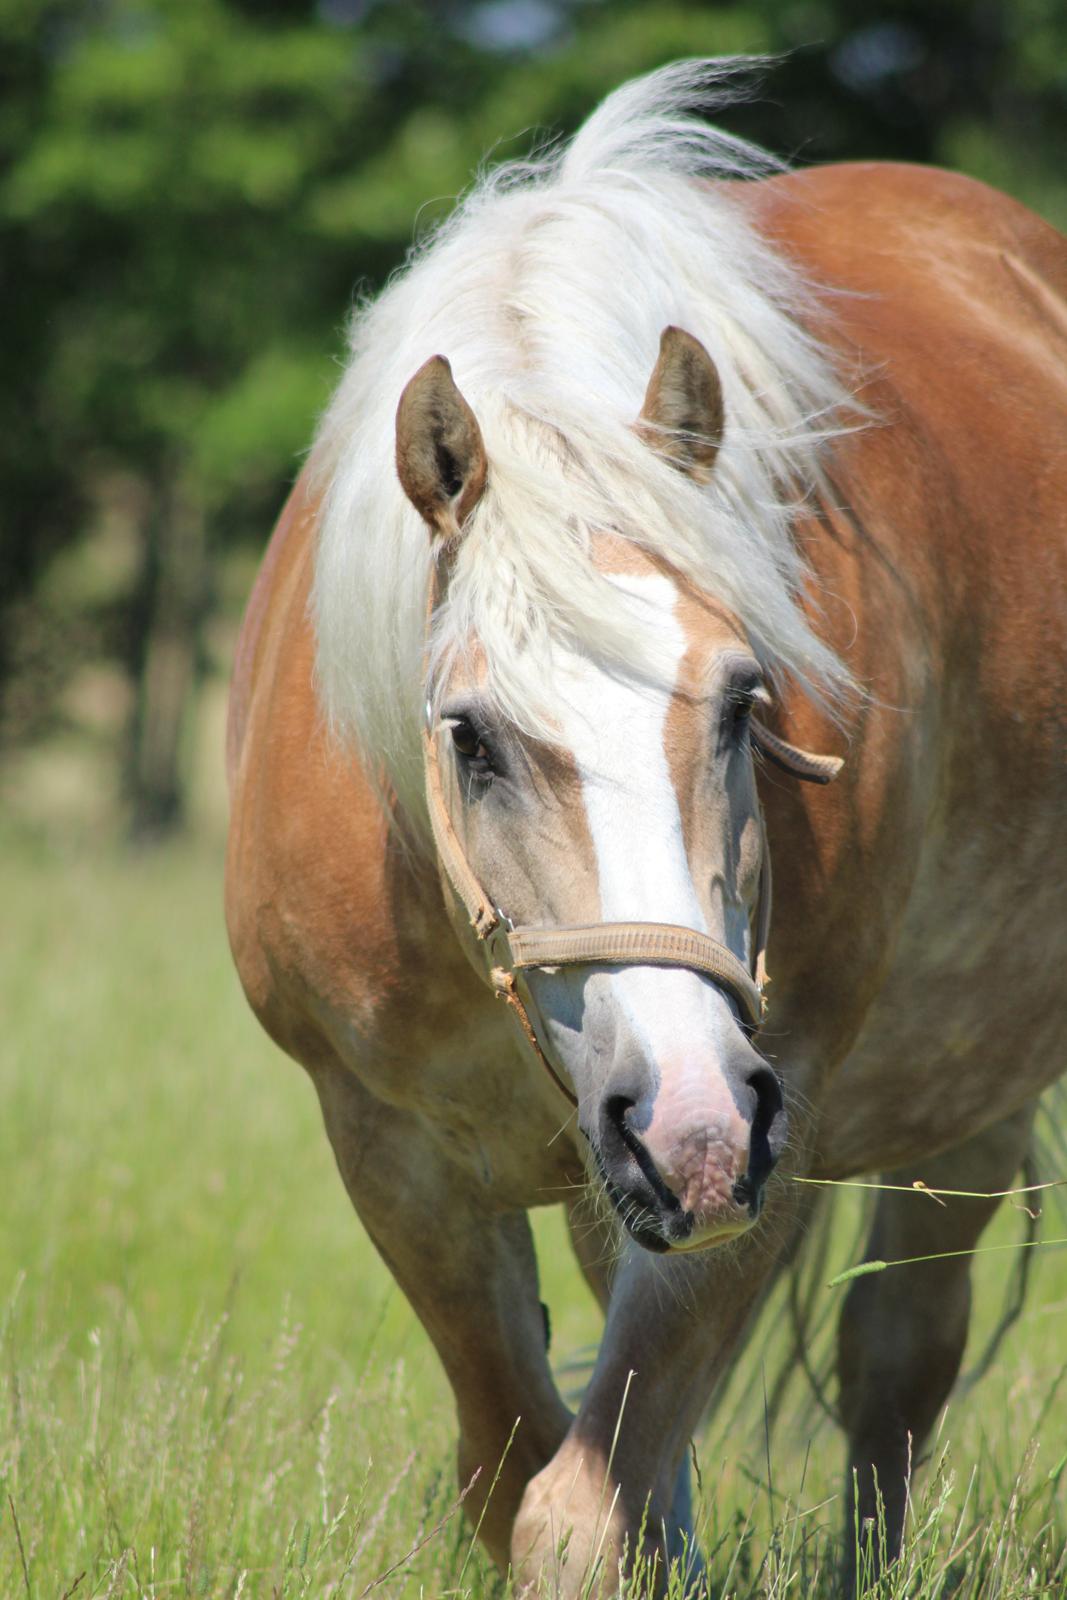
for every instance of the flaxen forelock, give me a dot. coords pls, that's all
(548, 290)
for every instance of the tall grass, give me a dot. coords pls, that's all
(210, 1385)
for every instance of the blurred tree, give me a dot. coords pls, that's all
(156, 188)
(189, 190)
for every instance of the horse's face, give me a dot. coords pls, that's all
(644, 811)
(641, 808)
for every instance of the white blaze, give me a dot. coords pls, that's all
(615, 730)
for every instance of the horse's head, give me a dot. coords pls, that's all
(641, 807)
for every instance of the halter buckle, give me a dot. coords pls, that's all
(497, 943)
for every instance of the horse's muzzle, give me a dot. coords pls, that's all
(685, 1166)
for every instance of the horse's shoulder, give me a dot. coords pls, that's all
(306, 852)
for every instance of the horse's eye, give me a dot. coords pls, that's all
(471, 747)
(738, 710)
(743, 694)
(465, 739)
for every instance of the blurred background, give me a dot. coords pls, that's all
(192, 195)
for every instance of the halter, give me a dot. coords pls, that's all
(511, 952)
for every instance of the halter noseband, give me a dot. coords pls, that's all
(511, 952)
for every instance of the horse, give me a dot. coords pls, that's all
(662, 480)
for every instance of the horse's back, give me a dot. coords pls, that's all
(895, 232)
(952, 307)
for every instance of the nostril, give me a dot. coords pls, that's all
(614, 1133)
(615, 1136)
(623, 1118)
(615, 1108)
(768, 1091)
(768, 1134)
(628, 1114)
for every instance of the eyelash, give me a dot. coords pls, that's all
(739, 705)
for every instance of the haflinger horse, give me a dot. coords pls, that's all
(659, 483)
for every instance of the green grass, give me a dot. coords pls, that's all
(210, 1385)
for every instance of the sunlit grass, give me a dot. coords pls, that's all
(210, 1385)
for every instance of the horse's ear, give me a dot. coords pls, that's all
(440, 457)
(682, 417)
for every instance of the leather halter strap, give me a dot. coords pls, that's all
(512, 952)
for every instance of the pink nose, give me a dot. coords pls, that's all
(702, 1159)
(685, 1163)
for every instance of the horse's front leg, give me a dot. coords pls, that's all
(596, 1246)
(470, 1274)
(672, 1329)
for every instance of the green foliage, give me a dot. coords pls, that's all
(176, 146)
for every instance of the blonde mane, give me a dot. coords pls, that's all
(547, 290)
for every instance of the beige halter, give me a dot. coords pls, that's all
(511, 952)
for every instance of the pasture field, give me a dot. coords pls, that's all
(210, 1386)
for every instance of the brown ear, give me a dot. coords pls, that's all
(440, 457)
(682, 417)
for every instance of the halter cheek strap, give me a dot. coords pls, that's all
(513, 952)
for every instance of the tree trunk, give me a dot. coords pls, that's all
(165, 662)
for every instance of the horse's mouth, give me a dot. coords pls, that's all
(668, 1228)
(641, 1223)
